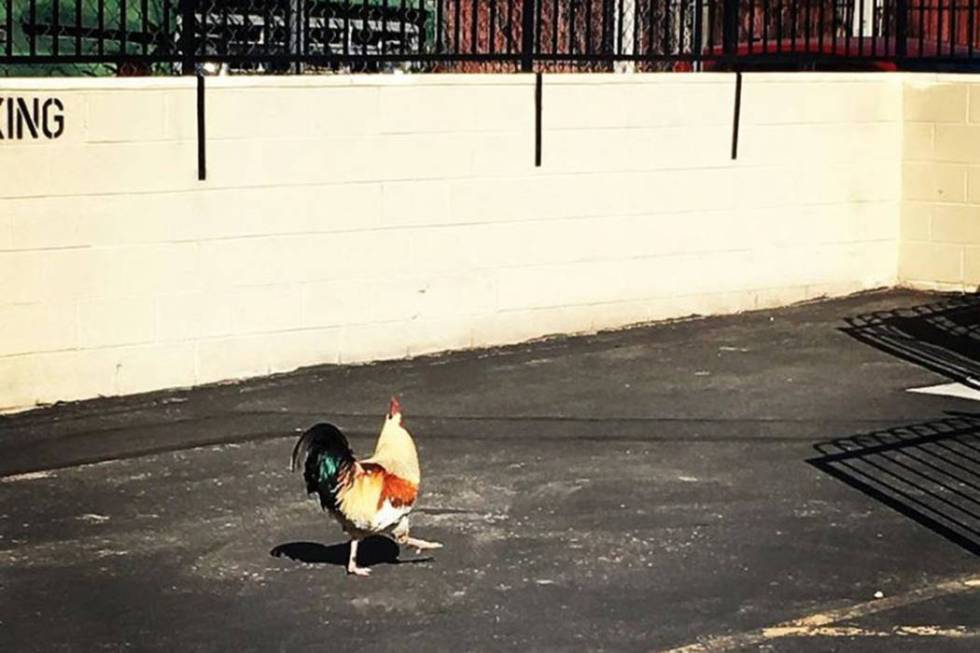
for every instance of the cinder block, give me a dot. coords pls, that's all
(114, 322)
(6, 225)
(973, 185)
(234, 357)
(369, 342)
(956, 224)
(919, 141)
(456, 108)
(193, 316)
(265, 309)
(415, 202)
(974, 92)
(513, 326)
(433, 335)
(957, 143)
(933, 182)
(133, 115)
(294, 349)
(361, 301)
(916, 221)
(18, 382)
(27, 170)
(20, 276)
(151, 367)
(938, 103)
(31, 328)
(288, 113)
(971, 268)
(931, 262)
(70, 375)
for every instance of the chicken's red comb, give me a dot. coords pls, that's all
(394, 408)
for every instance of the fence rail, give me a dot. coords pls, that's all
(177, 36)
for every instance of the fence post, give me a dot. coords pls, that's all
(188, 35)
(902, 28)
(729, 34)
(527, 35)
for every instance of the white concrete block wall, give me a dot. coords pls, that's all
(348, 219)
(940, 221)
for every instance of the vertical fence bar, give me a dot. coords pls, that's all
(697, 47)
(123, 27)
(605, 46)
(861, 28)
(651, 25)
(680, 27)
(554, 27)
(779, 25)
(438, 27)
(9, 27)
(492, 28)
(821, 26)
(588, 26)
(100, 18)
(145, 25)
(457, 28)
(32, 39)
(510, 27)
(971, 27)
(795, 22)
(922, 25)
(167, 38)
(420, 26)
(729, 36)
(952, 27)
(201, 161)
(885, 27)
(571, 26)
(737, 114)
(901, 27)
(939, 27)
(833, 28)
(188, 35)
(365, 16)
(475, 27)
(404, 26)
(348, 8)
(617, 26)
(807, 16)
(78, 27)
(527, 35)
(55, 27)
(538, 83)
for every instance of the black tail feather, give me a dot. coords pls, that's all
(321, 441)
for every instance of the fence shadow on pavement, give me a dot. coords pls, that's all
(929, 472)
(942, 336)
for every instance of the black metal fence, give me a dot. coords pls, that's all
(177, 36)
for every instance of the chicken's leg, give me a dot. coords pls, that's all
(352, 567)
(400, 534)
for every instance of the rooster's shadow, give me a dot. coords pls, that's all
(371, 551)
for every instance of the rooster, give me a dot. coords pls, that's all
(370, 496)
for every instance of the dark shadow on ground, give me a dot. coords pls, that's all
(943, 336)
(929, 472)
(372, 551)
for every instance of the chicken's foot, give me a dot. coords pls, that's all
(352, 567)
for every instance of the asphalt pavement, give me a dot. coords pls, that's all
(763, 481)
